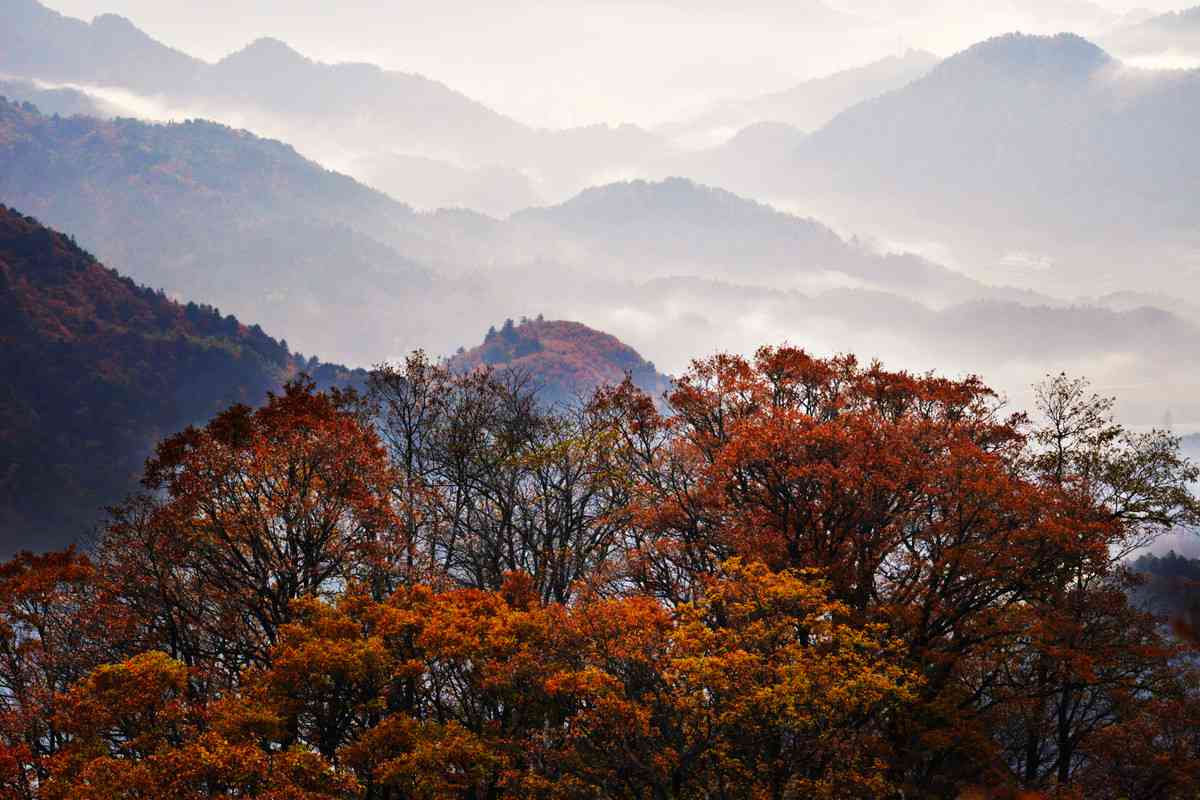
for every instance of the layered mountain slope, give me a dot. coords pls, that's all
(1018, 145)
(808, 105)
(346, 107)
(1177, 32)
(645, 229)
(367, 103)
(96, 369)
(566, 361)
(207, 211)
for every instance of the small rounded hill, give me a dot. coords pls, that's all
(565, 360)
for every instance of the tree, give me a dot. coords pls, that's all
(136, 734)
(972, 541)
(1089, 663)
(53, 632)
(752, 691)
(255, 510)
(493, 483)
(803, 578)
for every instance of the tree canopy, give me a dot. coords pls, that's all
(790, 577)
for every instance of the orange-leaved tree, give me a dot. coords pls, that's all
(253, 511)
(805, 578)
(930, 513)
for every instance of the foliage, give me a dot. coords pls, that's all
(805, 578)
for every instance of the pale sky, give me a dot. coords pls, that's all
(584, 61)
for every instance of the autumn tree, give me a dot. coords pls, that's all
(752, 691)
(1088, 663)
(253, 511)
(492, 482)
(802, 577)
(929, 512)
(137, 734)
(51, 636)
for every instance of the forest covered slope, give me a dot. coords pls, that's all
(98, 369)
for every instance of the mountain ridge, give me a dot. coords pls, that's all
(97, 369)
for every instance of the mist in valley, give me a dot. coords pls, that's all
(901, 181)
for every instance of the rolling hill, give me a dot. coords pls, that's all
(650, 229)
(565, 360)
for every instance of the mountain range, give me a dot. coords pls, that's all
(208, 211)
(342, 108)
(807, 106)
(1019, 162)
(1034, 160)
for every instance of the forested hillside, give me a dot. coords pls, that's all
(202, 210)
(1171, 588)
(98, 369)
(564, 361)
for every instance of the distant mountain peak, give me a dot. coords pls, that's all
(630, 197)
(1063, 55)
(267, 51)
(114, 22)
(1151, 35)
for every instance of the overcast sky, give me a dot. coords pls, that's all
(582, 61)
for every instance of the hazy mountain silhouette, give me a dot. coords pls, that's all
(1019, 144)
(96, 370)
(1177, 31)
(36, 41)
(206, 211)
(361, 104)
(349, 107)
(643, 229)
(65, 102)
(807, 106)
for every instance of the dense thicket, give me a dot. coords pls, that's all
(97, 369)
(802, 578)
